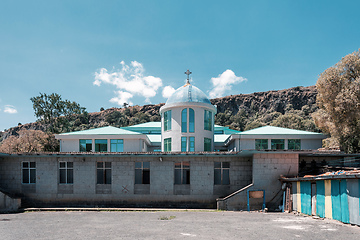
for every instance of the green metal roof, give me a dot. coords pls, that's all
(271, 130)
(102, 131)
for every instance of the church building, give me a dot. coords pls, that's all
(183, 161)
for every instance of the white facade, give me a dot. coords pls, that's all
(176, 133)
(132, 143)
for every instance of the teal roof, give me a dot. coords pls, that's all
(102, 131)
(226, 130)
(188, 93)
(271, 130)
(144, 126)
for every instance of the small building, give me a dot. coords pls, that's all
(333, 195)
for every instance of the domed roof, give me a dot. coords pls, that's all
(188, 93)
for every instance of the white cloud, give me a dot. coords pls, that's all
(122, 97)
(223, 83)
(130, 80)
(10, 109)
(167, 91)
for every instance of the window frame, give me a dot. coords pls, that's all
(184, 120)
(87, 142)
(191, 120)
(191, 142)
(167, 120)
(142, 167)
(68, 170)
(103, 169)
(99, 144)
(167, 145)
(277, 142)
(121, 144)
(294, 144)
(207, 120)
(262, 143)
(184, 144)
(31, 169)
(207, 142)
(183, 169)
(224, 173)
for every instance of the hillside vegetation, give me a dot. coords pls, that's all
(291, 108)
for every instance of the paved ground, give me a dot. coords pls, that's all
(180, 225)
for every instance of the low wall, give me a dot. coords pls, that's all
(8, 204)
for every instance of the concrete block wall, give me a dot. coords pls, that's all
(8, 204)
(266, 170)
(85, 191)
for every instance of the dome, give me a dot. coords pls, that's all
(188, 93)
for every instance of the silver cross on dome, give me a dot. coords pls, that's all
(188, 74)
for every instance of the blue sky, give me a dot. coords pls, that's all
(99, 53)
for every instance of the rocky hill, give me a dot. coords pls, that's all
(288, 108)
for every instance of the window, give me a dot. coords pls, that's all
(167, 120)
(294, 144)
(277, 144)
(191, 144)
(207, 145)
(184, 120)
(28, 172)
(85, 145)
(191, 120)
(66, 173)
(100, 145)
(142, 172)
(183, 144)
(261, 144)
(167, 145)
(221, 173)
(103, 172)
(207, 120)
(116, 145)
(182, 173)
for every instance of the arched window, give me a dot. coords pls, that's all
(207, 120)
(184, 120)
(167, 120)
(191, 120)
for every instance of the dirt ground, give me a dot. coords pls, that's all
(170, 225)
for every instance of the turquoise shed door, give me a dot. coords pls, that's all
(344, 201)
(335, 199)
(320, 199)
(305, 188)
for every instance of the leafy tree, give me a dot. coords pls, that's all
(289, 120)
(339, 102)
(252, 125)
(30, 141)
(48, 108)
